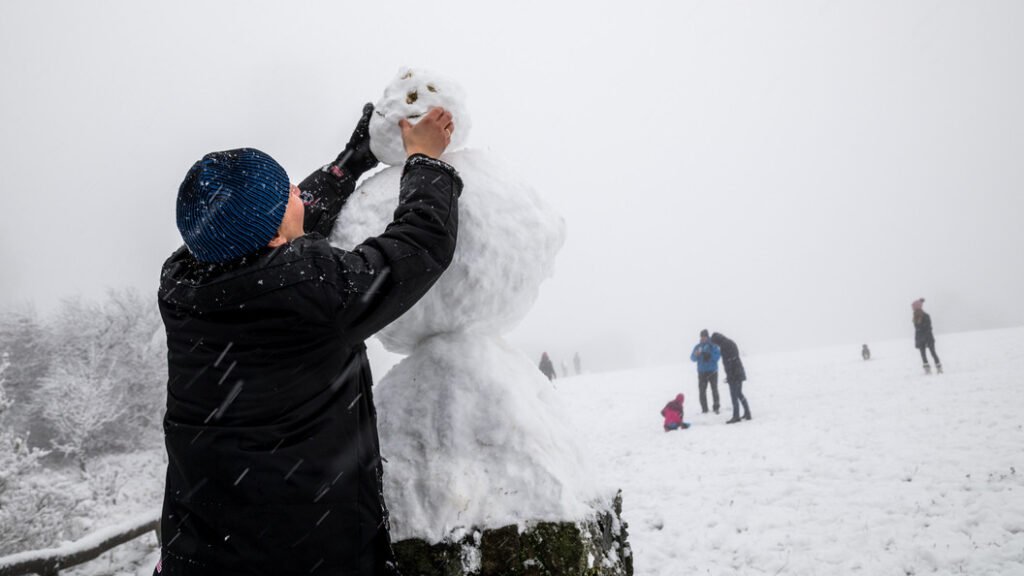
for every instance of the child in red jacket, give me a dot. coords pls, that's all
(673, 413)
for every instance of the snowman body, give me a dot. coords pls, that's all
(473, 434)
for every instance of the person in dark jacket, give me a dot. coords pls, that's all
(706, 355)
(923, 336)
(734, 376)
(547, 367)
(274, 462)
(865, 352)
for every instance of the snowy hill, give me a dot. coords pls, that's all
(848, 467)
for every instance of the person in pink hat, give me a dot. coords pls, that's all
(673, 413)
(923, 337)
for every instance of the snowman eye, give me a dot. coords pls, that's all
(411, 97)
(431, 88)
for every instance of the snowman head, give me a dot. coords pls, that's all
(410, 95)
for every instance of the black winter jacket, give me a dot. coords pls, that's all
(734, 371)
(923, 335)
(273, 456)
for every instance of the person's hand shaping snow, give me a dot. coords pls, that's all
(430, 136)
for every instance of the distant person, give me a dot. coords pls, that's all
(673, 413)
(923, 337)
(734, 375)
(547, 367)
(576, 363)
(706, 355)
(865, 353)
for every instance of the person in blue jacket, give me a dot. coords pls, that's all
(706, 355)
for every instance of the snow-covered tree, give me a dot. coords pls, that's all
(15, 456)
(88, 379)
(105, 388)
(24, 337)
(27, 512)
(82, 398)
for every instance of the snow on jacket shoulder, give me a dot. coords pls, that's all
(706, 356)
(273, 455)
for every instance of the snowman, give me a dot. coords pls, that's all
(473, 435)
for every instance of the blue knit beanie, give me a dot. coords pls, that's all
(231, 203)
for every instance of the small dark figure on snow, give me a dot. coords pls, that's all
(706, 355)
(865, 352)
(734, 376)
(576, 363)
(673, 413)
(547, 367)
(923, 337)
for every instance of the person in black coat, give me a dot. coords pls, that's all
(734, 376)
(923, 336)
(274, 461)
(546, 367)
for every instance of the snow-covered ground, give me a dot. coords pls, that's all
(848, 467)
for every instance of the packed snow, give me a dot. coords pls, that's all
(506, 248)
(477, 439)
(474, 436)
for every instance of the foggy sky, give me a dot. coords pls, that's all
(792, 174)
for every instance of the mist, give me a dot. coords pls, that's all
(792, 174)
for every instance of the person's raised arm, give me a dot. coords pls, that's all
(385, 275)
(325, 191)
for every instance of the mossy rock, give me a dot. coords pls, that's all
(441, 559)
(553, 548)
(500, 549)
(597, 546)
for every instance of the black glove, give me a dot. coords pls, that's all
(706, 356)
(357, 158)
(325, 191)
